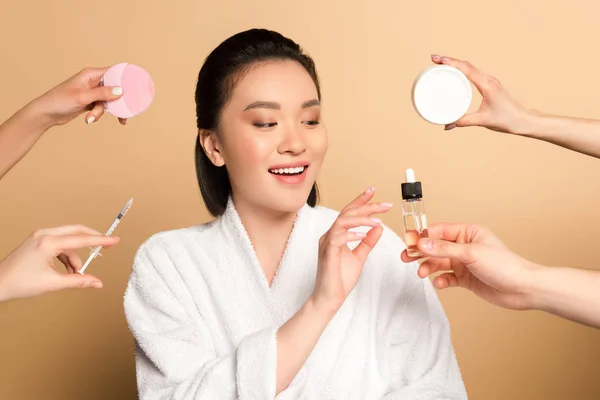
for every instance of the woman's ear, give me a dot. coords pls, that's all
(211, 146)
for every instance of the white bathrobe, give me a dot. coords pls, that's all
(204, 320)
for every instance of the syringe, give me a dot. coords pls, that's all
(96, 250)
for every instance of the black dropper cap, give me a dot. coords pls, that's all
(411, 190)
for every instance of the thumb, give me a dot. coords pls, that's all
(445, 249)
(472, 119)
(78, 281)
(104, 93)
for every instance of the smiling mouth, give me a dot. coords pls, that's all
(289, 171)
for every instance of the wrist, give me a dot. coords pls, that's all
(320, 309)
(529, 123)
(536, 296)
(35, 117)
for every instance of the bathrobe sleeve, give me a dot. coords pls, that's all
(417, 335)
(175, 358)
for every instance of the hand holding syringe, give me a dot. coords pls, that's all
(96, 250)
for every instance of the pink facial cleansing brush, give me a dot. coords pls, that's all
(138, 90)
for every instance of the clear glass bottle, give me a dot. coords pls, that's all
(413, 213)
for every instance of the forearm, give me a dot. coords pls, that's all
(296, 340)
(19, 134)
(569, 293)
(577, 134)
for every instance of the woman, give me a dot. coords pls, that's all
(268, 299)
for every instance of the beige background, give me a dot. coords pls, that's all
(542, 200)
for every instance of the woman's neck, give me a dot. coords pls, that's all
(269, 231)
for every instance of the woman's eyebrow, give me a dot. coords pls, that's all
(263, 104)
(276, 106)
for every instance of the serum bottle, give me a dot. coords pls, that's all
(413, 213)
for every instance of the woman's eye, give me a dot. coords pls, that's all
(312, 122)
(265, 125)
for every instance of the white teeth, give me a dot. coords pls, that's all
(287, 171)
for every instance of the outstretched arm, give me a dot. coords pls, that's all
(58, 106)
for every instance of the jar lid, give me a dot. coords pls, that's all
(442, 94)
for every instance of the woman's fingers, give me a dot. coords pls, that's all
(97, 96)
(60, 244)
(74, 260)
(364, 248)
(361, 199)
(478, 78)
(343, 223)
(446, 280)
(91, 76)
(472, 119)
(406, 258)
(358, 214)
(65, 261)
(361, 206)
(101, 94)
(344, 238)
(368, 209)
(95, 114)
(433, 265)
(367, 241)
(67, 230)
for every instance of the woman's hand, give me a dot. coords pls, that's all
(498, 110)
(339, 267)
(29, 270)
(58, 106)
(473, 258)
(69, 99)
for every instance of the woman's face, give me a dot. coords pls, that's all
(272, 139)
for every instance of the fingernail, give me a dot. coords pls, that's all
(361, 234)
(117, 91)
(376, 220)
(97, 285)
(436, 283)
(369, 190)
(426, 243)
(435, 56)
(445, 59)
(386, 204)
(449, 127)
(90, 119)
